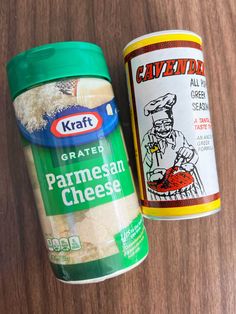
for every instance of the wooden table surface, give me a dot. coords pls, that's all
(191, 267)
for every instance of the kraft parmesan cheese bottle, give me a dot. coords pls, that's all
(76, 157)
(172, 126)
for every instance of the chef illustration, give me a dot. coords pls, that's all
(163, 147)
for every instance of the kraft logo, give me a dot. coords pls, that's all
(76, 124)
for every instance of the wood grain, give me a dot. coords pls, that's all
(191, 267)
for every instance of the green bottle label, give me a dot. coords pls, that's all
(82, 177)
(133, 246)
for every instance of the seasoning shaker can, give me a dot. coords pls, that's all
(77, 161)
(171, 126)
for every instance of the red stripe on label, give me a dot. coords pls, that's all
(163, 45)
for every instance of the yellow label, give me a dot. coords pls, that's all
(181, 211)
(161, 38)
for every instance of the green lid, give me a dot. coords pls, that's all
(55, 61)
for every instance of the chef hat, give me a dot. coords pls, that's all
(162, 103)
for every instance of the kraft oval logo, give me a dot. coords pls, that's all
(76, 124)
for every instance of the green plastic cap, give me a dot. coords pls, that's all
(55, 61)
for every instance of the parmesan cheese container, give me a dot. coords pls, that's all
(77, 161)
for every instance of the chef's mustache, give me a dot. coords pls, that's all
(162, 132)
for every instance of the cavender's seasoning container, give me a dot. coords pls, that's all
(172, 126)
(83, 187)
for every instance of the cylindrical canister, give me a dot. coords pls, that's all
(77, 161)
(171, 125)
